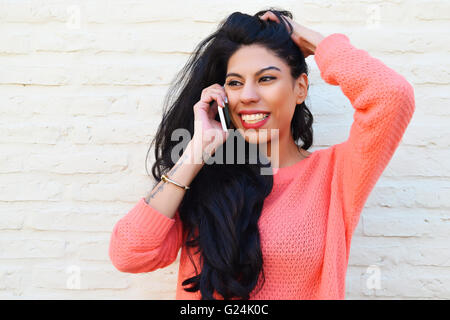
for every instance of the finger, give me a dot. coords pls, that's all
(212, 112)
(285, 20)
(273, 17)
(225, 97)
(269, 16)
(221, 90)
(210, 96)
(220, 96)
(217, 97)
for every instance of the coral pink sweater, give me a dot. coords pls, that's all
(308, 220)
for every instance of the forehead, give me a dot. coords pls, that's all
(252, 58)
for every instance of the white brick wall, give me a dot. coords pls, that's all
(81, 87)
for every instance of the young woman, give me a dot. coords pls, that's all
(245, 235)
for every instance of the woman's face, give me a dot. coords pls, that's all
(257, 81)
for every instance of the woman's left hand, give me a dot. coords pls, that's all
(306, 39)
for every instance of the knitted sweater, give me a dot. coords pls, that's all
(308, 219)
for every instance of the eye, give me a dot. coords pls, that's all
(270, 78)
(266, 77)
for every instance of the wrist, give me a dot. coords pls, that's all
(196, 152)
(316, 39)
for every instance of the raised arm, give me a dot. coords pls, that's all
(150, 235)
(384, 104)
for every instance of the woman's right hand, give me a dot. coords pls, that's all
(206, 128)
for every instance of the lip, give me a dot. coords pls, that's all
(252, 111)
(254, 125)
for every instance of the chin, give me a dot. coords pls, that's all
(259, 136)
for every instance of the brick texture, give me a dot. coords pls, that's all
(81, 92)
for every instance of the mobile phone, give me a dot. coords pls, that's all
(224, 114)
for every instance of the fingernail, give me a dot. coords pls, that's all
(226, 100)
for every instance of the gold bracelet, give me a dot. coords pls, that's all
(166, 179)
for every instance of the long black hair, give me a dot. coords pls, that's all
(220, 211)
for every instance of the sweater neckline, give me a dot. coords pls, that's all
(287, 173)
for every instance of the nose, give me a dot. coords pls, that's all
(249, 94)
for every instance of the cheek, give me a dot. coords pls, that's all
(283, 116)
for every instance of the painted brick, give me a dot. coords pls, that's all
(81, 92)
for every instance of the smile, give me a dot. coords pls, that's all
(254, 118)
(252, 121)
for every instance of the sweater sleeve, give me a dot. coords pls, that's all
(384, 104)
(145, 240)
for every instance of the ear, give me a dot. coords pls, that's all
(301, 88)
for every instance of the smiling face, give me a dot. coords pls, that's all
(258, 81)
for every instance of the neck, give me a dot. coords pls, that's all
(282, 151)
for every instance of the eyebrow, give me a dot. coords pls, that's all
(256, 73)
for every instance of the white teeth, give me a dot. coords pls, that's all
(252, 118)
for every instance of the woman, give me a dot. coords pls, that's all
(245, 235)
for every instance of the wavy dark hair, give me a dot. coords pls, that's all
(220, 211)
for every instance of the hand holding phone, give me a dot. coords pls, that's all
(212, 101)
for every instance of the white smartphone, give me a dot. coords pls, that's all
(224, 115)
